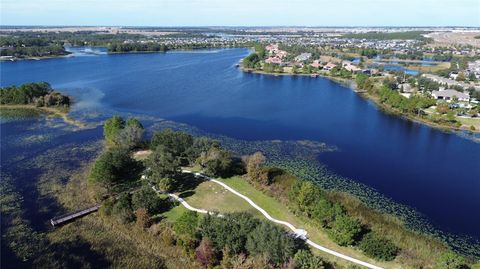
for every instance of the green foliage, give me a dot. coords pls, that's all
(178, 143)
(123, 208)
(305, 260)
(303, 195)
(148, 199)
(200, 147)
(25, 47)
(375, 246)
(345, 230)
(325, 212)
(186, 224)
(40, 94)
(450, 260)
(113, 167)
(137, 47)
(163, 164)
(112, 128)
(217, 162)
(270, 241)
(412, 105)
(229, 232)
(251, 60)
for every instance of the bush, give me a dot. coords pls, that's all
(271, 241)
(148, 199)
(305, 260)
(345, 230)
(123, 209)
(377, 247)
(205, 253)
(112, 128)
(113, 167)
(187, 224)
(450, 260)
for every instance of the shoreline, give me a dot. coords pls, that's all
(14, 59)
(50, 111)
(350, 83)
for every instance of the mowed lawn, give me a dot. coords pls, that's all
(213, 197)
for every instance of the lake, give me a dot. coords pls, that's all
(434, 172)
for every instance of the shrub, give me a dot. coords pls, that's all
(148, 199)
(345, 230)
(271, 241)
(142, 218)
(378, 247)
(450, 260)
(204, 253)
(186, 224)
(305, 260)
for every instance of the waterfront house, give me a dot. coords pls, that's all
(303, 57)
(329, 66)
(448, 95)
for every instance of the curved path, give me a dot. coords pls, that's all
(299, 232)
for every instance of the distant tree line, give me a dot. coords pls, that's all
(39, 94)
(23, 47)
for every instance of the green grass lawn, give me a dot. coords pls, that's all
(475, 122)
(213, 197)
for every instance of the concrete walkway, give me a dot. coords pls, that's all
(298, 232)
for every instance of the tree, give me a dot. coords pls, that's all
(378, 247)
(305, 260)
(142, 217)
(163, 164)
(178, 143)
(255, 170)
(113, 167)
(204, 253)
(304, 195)
(325, 212)
(271, 241)
(461, 76)
(217, 162)
(200, 146)
(450, 260)
(229, 232)
(129, 137)
(148, 199)
(345, 230)
(186, 225)
(112, 128)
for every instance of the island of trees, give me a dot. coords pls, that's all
(30, 47)
(237, 240)
(39, 94)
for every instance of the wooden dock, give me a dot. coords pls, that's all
(69, 217)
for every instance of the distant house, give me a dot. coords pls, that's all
(352, 68)
(316, 64)
(405, 87)
(273, 60)
(448, 95)
(303, 57)
(329, 66)
(272, 48)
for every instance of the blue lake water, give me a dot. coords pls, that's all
(434, 172)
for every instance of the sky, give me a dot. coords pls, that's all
(241, 12)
